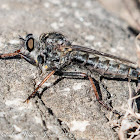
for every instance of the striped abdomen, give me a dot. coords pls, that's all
(105, 66)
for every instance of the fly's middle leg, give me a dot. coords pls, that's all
(43, 81)
(84, 75)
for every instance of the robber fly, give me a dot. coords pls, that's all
(53, 52)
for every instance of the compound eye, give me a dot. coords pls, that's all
(29, 42)
(40, 59)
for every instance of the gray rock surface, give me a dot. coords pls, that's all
(68, 109)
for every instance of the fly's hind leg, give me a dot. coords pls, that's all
(84, 75)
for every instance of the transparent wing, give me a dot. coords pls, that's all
(88, 50)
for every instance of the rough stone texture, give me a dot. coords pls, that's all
(68, 109)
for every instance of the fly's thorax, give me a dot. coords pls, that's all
(54, 39)
(57, 49)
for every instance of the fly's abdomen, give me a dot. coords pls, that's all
(106, 67)
(118, 70)
(113, 69)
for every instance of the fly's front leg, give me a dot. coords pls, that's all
(84, 75)
(10, 55)
(17, 54)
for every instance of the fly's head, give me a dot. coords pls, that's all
(34, 50)
(30, 45)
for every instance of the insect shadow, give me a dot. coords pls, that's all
(134, 93)
(61, 77)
